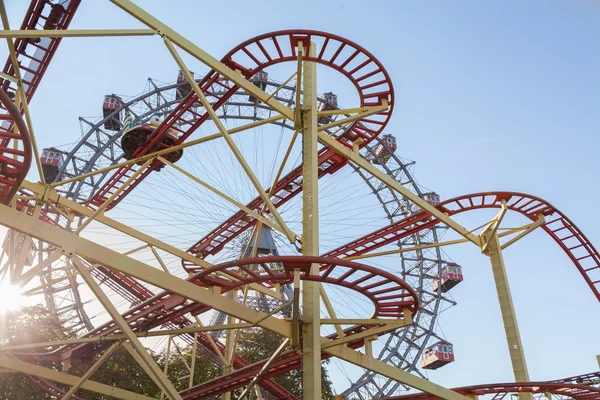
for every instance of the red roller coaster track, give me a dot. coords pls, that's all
(368, 76)
(373, 84)
(14, 163)
(365, 72)
(578, 387)
(560, 228)
(529, 206)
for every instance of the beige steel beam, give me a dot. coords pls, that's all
(90, 371)
(392, 372)
(71, 244)
(141, 362)
(159, 259)
(282, 85)
(167, 361)
(9, 77)
(492, 228)
(240, 157)
(121, 336)
(230, 339)
(146, 361)
(193, 366)
(356, 110)
(195, 51)
(32, 34)
(391, 183)
(524, 230)
(511, 328)
(311, 327)
(369, 111)
(53, 197)
(297, 109)
(157, 153)
(61, 377)
(34, 147)
(216, 349)
(333, 319)
(107, 202)
(50, 196)
(236, 203)
(380, 330)
(264, 368)
(406, 249)
(530, 228)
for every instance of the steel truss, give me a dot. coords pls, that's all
(38, 210)
(402, 347)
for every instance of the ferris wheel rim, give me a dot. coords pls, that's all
(384, 166)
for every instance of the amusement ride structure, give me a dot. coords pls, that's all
(266, 244)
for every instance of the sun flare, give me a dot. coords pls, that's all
(10, 297)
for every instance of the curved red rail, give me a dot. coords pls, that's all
(389, 294)
(166, 307)
(364, 71)
(582, 390)
(13, 170)
(564, 232)
(530, 206)
(34, 59)
(561, 229)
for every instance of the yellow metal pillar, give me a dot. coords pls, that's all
(311, 329)
(229, 347)
(515, 347)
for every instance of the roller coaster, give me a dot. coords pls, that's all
(266, 243)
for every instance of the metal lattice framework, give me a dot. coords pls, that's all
(99, 148)
(100, 181)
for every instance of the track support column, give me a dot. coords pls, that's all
(311, 329)
(515, 347)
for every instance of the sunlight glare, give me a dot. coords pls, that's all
(10, 297)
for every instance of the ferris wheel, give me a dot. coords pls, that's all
(192, 205)
(105, 136)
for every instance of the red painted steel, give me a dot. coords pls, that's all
(561, 229)
(389, 294)
(583, 390)
(573, 242)
(525, 204)
(530, 206)
(13, 170)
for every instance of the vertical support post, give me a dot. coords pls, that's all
(229, 347)
(515, 347)
(167, 359)
(311, 329)
(193, 366)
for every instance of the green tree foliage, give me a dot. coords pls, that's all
(258, 344)
(36, 324)
(29, 325)
(180, 359)
(119, 370)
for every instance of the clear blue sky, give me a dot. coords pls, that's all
(489, 96)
